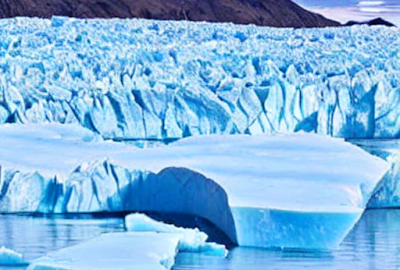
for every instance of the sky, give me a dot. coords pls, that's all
(359, 10)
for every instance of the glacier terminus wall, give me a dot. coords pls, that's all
(142, 79)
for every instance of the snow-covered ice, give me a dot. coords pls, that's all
(9, 257)
(117, 251)
(162, 79)
(192, 240)
(285, 190)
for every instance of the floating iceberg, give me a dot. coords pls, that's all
(192, 240)
(288, 190)
(9, 257)
(144, 79)
(117, 251)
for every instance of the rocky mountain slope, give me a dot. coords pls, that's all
(377, 21)
(278, 13)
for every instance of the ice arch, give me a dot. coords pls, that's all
(180, 190)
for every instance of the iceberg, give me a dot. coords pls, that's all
(9, 257)
(119, 251)
(296, 190)
(192, 240)
(146, 79)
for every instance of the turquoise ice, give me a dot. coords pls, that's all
(10, 257)
(162, 79)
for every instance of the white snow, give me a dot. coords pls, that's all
(285, 190)
(9, 257)
(142, 223)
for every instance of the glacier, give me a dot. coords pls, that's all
(145, 79)
(284, 190)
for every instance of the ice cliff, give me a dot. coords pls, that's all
(162, 79)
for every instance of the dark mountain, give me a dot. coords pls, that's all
(377, 21)
(278, 13)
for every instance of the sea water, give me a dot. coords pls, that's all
(373, 244)
(33, 237)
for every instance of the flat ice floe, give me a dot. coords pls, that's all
(149, 245)
(117, 251)
(284, 190)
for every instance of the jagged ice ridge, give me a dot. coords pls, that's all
(146, 79)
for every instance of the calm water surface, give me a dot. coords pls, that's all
(374, 244)
(35, 236)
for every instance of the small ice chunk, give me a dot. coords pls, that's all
(142, 223)
(10, 257)
(192, 240)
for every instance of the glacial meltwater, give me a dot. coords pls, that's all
(373, 244)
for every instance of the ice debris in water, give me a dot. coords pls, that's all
(192, 240)
(10, 257)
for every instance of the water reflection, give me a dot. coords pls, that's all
(374, 244)
(35, 236)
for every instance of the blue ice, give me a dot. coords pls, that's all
(163, 79)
